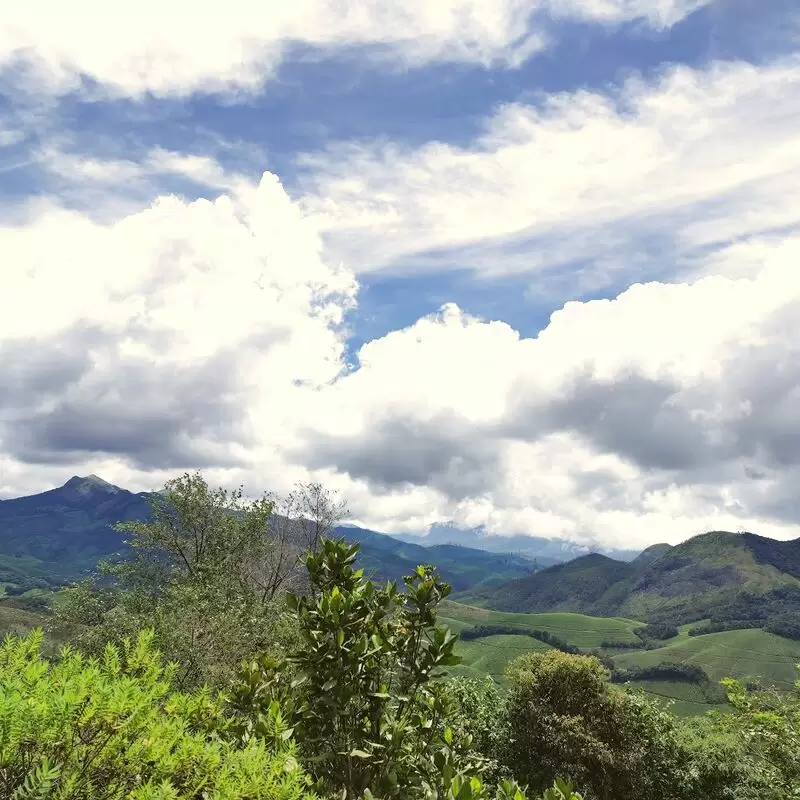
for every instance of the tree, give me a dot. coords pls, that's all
(308, 513)
(565, 719)
(190, 577)
(318, 512)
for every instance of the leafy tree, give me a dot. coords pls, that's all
(565, 719)
(363, 692)
(768, 724)
(191, 578)
(477, 713)
(720, 765)
(112, 728)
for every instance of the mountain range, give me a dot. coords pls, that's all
(56, 536)
(723, 577)
(726, 579)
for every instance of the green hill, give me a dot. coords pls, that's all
(719, 576)
(750, 655)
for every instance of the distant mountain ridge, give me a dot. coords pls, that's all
(62, 533)
(721, 576)
(545, 550)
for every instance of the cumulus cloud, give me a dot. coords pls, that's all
(181, 47)
(168, 339)
(666, 411)
(210, 334)
(609, 185)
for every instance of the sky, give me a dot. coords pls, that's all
(530, 266)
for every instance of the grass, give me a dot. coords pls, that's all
(489, 656)
(745, 654)
(576, 629)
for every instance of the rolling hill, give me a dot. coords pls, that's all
(749, 655)
(719, 576)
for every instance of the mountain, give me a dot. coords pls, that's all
(59, 535)
(463, 567)
(545, 551)
(587, 584)
(721, 576)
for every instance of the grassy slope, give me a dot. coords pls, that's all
(745, 654)
(748, 654)
(489, 655)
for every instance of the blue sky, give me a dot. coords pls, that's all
(458, 203)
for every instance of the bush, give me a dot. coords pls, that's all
(787, 624)
(565, 719)
(109, 728)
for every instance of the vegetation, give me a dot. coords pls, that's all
(97, 729)
(299, 677)
(201, 574)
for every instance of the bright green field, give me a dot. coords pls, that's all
(745, 654)
(575, 629)
(489, 656)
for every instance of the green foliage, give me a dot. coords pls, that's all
(565, 719)
(768, 723)
(112, 728)
(657, 630)
(363, 692)
(193, 578)
(786, 624)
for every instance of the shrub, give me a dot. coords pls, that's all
(111, 728)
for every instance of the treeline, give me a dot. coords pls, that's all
(689, 673)
(786, 624)
(481, 631)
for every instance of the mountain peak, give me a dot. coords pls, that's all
(90, 483)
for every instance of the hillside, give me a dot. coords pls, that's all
(719, 576)
(588, 584)
(750, 655)
(59, 535)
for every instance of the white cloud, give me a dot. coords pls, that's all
(665, 412)
(187, 322)
(208, 334)
(178, 47)
(690, 161)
